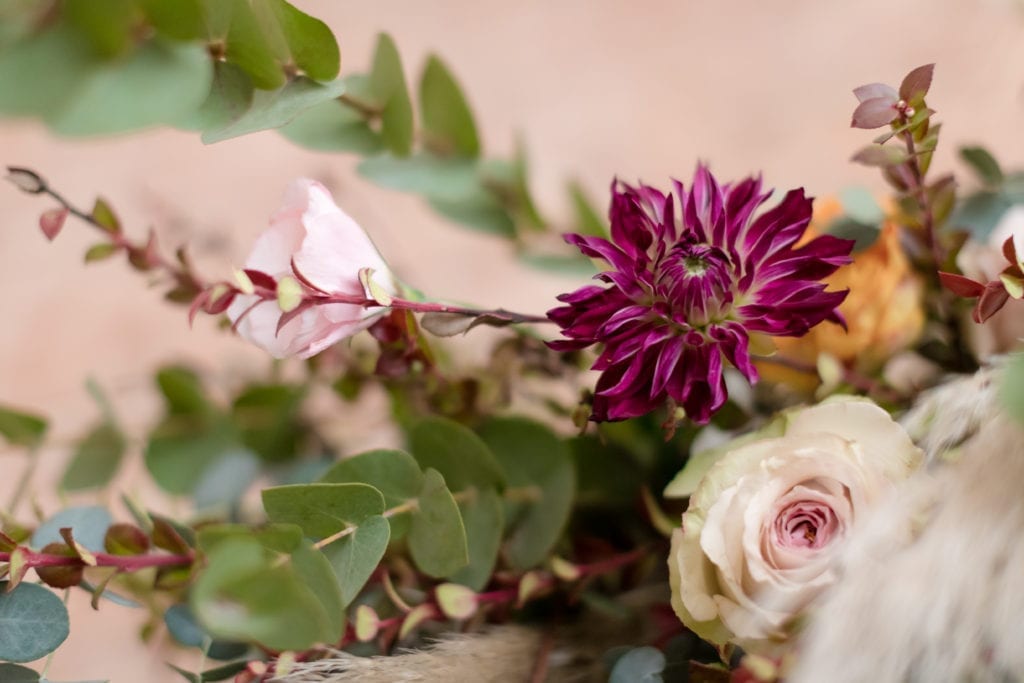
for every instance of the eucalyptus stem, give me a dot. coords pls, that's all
(23, 481)
(126, 563)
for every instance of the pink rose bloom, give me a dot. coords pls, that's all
(328, 249)
(769, 512)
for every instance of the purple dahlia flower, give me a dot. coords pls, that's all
(683, 296)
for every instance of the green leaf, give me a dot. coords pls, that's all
(639, 665)
(185, 630)
(101, 251)
(182, 391)
(176, 19)
(246, 594)
(159, 84)
(322, 509)
(220, 673)
(282, 538)
(12, 673)
(106, 24)
(180, 450)
(333, 127)
(230, 96)
(246, 42)
(588, 220)
(20, 428)
(276, 108)
(484, 213)
(437, 537)
(980, 213)
(534, 460)
(387, 85)
(88, 523)
(225, 480)
(30, 84)
(33, 622)
(447, 180)
(983, 164)
(570, 265)
(268, 419)
(860, 205)
(394, 473)
(447, 121)
(310, 42)
(355, 557)
(461, 457)
(484, 521)
(1011, 390)
(607, 475)
(315, 572)
(96, 459)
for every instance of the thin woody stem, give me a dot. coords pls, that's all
(850, 376)
(116, 237)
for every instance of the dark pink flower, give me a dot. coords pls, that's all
(688, 285)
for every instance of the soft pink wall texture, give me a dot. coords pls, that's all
(596, 88)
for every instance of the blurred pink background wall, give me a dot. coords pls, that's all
(596, 88)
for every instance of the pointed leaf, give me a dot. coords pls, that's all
(983, 164)
(447, 120)
(96, 459)
(21, 428)
(310, 42)
(961, 286)
(873, 113)
(387, 84)
(916, 83)
(52, 221)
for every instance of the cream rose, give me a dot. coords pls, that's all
(763, 524)
(312, 237)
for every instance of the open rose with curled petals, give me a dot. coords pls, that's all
(758, 539)
(312, 239)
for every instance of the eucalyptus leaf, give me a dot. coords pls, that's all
(181, 449)
(437, 537)
(394, 473)
(31, 85)
(159, 84)
(355, 557)
(588, 219)
(461, 457)
(447, 180)
(33, 622)
(88, 523)
(483, 213)
(248, 595)
(322, 510)
(311, 44)
(246, 42)
(332, 127)
(185, 630)
(21, 428)
(226, 479)
(534, 459)
(387, 85)
(273, 109)
(269, 421)
(230, 96)
(177, 19)
(96, 459)
(12, 673)
(639, 665)
(983, 164)
(447, 120)
(484, 521)
(315, 572)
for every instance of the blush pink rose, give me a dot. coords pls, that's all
(758, 539)
(328, 249)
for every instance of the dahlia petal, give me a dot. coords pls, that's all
(631, 227)
(735, 345)
(666, 365)
(777, 228)
(598, 247)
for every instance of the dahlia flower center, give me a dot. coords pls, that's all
(805, 524)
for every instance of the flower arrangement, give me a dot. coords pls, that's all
(678, 456)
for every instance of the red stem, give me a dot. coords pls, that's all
(126, 563)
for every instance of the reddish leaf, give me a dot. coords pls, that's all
(197, 304)
(961, 286)
(992, 299)
(52, 221)
(261, 279)
(917, 82)
(873, 90)
(873, 113)
(1010, 251)
(221, 303)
